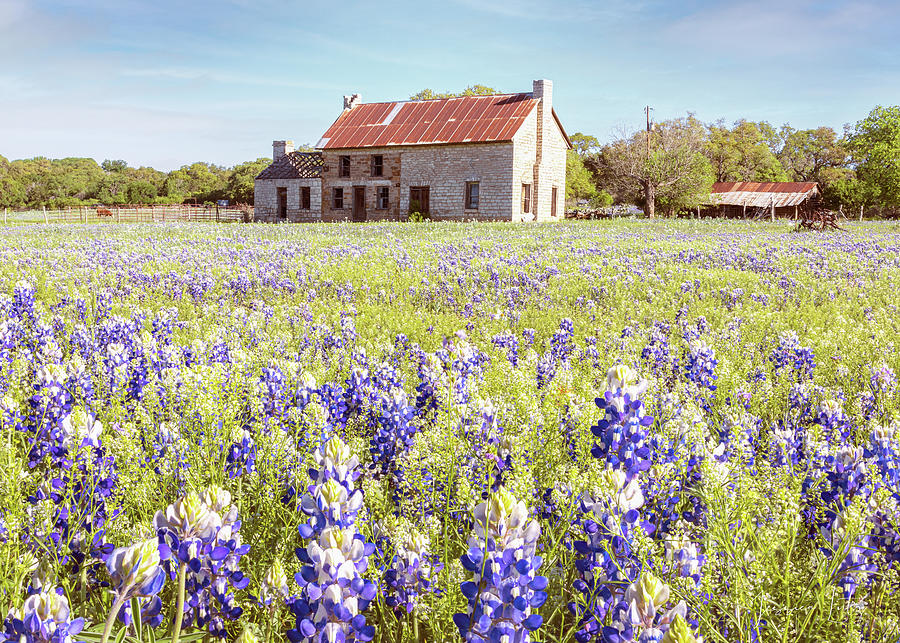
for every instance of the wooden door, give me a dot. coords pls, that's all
(419, 198)
(359, 203)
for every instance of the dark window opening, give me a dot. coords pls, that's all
(344, 166)
(472, 193)
(377, 165)
(553, 197)
(338, 199)
(526, 197)
(282, 203)
(304, 197)
(381, 198)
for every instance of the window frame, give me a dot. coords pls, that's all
(344, 166)
(470, 203)
(554, 197)
(376, 166)
(305, 197)
(526, 198)
(379, 204)
(337, 194)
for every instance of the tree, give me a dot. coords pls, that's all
(584, 144)
(674, 175)
(471, 90)
(875, 143)
(579, 182)
(813, 154)
(743, 152)
(140, 192)
(241, 181)
(114, 166)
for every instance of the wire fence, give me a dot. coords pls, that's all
(131, 214)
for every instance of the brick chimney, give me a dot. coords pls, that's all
(352, 101)
(281, 148)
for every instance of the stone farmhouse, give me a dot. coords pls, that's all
(491, 158)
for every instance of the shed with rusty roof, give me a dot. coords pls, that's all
(290, 188)
(754, 200)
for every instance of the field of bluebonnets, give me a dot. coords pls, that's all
(628, 431)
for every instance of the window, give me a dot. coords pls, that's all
(304, 198)
(338, 199)
(526, 197)
(381, 198)
(553, 198)
(472, 195)
(344, 166)
(377, 165)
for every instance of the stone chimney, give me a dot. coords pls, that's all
(352, 101)
(542, 90)
(281, 148)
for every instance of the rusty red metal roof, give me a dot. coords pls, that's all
(762, 195)
(746, 186)
(467, 119)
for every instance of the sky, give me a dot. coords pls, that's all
(165, 83)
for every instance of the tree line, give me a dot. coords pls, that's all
(58, 183)
(671, 168)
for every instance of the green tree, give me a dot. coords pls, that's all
(471, 90)
(242, 178)
(142, 192)
(114, 166)
(579, 182)
(875, 143)
(743, 152)
(674, 174)
(818, 154)
(584, 144)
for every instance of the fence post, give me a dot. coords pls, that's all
(861, 212)
(4, 216)
(118, 216)
(44, 208)
(773, 209)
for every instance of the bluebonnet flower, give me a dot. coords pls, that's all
(608, 562)
(44, 618)
(333, 593)
(502, 558)
(409, 575)
(789, 353)
(638, 617)
(622, 430)
(700, 364)
(241, 456)
(199, 541)
(135, 572)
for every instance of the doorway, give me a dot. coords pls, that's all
(359, 203)
(282, 203)
(419, 198)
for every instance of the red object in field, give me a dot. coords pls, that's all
(103, 212)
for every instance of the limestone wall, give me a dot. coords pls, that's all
(265, 200)
(447, 168)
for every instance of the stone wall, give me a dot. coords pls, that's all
(524, 166)
(265, 200)
(445, 169)
(361, 176)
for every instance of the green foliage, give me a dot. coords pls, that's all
(875, 143)
(584, 144)
(743, 152)
(579, 182)
(241, 180)
(471, 90)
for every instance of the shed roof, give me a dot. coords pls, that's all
(296, 165)
(466, 119)
(762, 195)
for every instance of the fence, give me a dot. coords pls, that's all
(131, 214)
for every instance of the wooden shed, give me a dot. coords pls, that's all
(740, 199)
